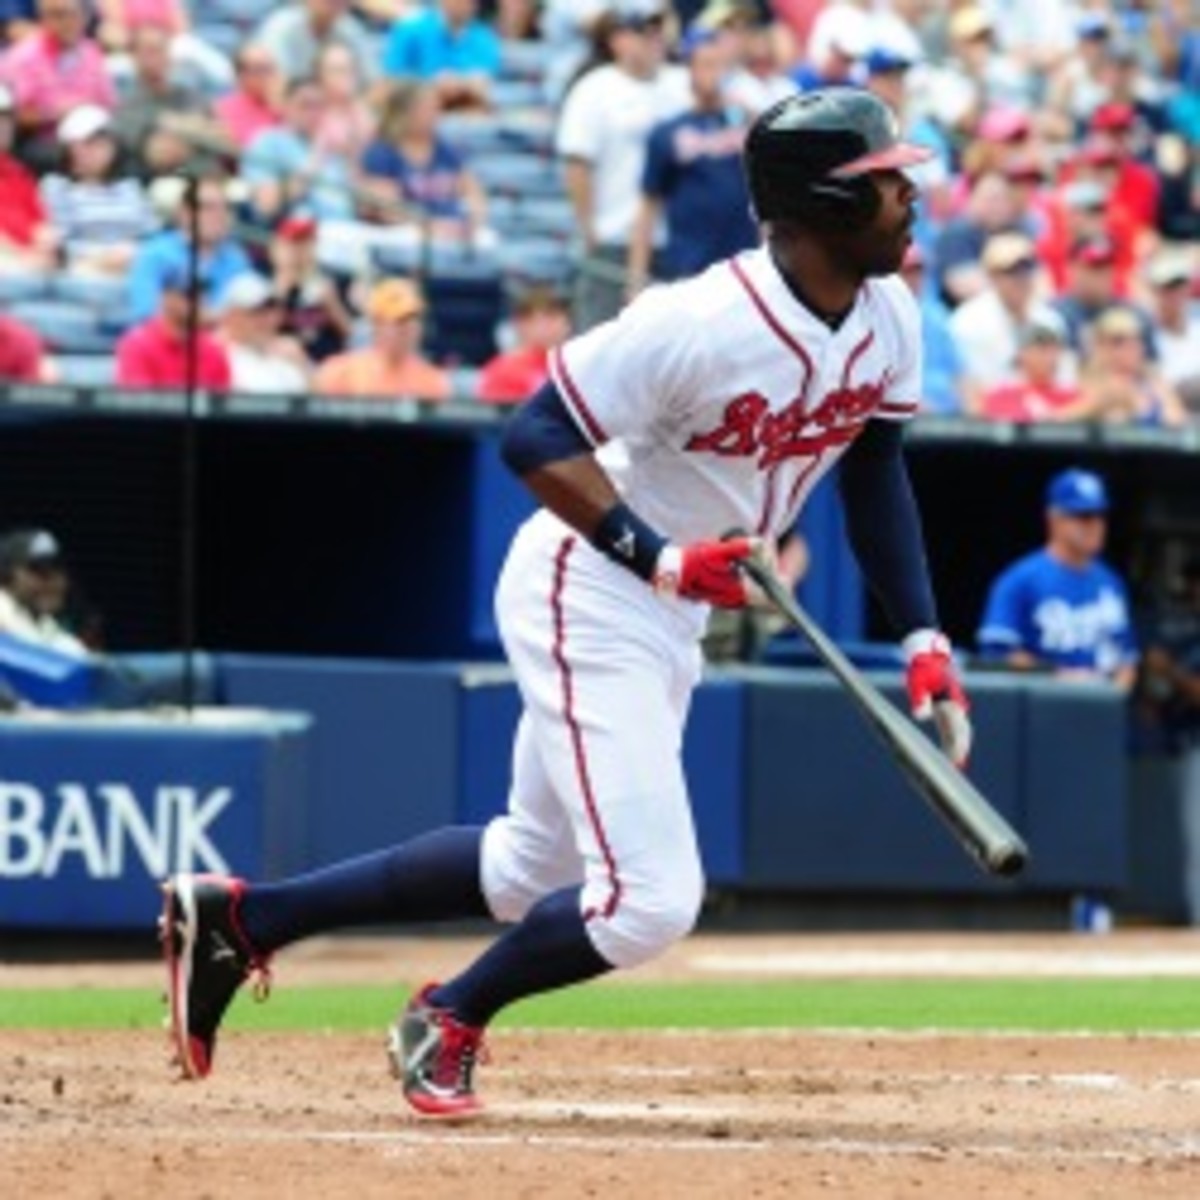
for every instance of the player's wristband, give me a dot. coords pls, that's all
(627, 539)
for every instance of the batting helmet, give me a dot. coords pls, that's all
(809, 156)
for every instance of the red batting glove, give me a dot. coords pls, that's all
(934, 691)
(706, 571)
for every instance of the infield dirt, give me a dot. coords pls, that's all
(860, 1115)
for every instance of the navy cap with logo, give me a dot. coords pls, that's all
(29, 548)
(1077, 491)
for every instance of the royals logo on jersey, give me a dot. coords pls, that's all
(730, 400)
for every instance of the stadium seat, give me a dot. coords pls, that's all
(473, 133)
(525, 60)
(24, 287)
(536, 260)
(94, 292)
(86, 370)
(508, 94)
(518, 174)
(65, 326)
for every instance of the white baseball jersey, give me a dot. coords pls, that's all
(714, 402)
(726, 400)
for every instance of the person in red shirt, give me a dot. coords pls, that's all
(1036, 394)
(1137, 186)
(22, 359)
(154, 354)
(541, 321)
(25, 240)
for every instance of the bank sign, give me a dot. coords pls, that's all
(92, 820)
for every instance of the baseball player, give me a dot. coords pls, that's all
(715, 403)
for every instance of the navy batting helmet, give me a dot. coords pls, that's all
(808, 157)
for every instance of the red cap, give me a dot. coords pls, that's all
(297, 229)
(1112, 118)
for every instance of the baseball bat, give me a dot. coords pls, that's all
(984, 833)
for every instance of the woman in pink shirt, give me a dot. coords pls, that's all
(347, 123)
(253, 105)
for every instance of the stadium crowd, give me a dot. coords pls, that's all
(366, 196)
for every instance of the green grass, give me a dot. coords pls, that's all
(1118, 1006)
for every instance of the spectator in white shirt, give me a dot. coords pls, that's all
(260, 358)
(605, 121)
(1176, 316)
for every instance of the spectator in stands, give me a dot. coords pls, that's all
(834, 61)
(161, 124)
(1036, 392)
(518, 20)
(541, 320)
(1091, 288)
(119, 21)
(98, 215)
(958, 245)
(1095, 160)
(315, 307)
(155, 352)
(52, 73)
(22, 358)
(261, 359)
(36, 594)
(1176, 319)
(221, 257)
(26, 241)
(391, 366)
(605, 120)
(1062, 608)
(1078, 85)
(1075, 215)
(1118, 383)
(756, 79)
(693, 177)
(33, 589)
(295, 33)
(975, 59)
(570, 29)
(414, 174)
(1136, 190)
(285, 170)
(447, 45)
(985, 327)
(253, 105)
(17, 18)
(946, 389)
(347, 122)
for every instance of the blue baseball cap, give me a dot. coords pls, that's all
(1077, 491)
(883, 60)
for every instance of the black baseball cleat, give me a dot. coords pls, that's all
(208, 958)
(433, 1054)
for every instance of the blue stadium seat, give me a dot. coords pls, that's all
(536, 260)
(473, 133)
(65, 326)
(225, 36)
(525, 60)
(24, 287)
(516, 93)
(518, 174)
(94, 292)
(87, 370)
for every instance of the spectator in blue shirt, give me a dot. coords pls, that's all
(449, 45)
(221, 257)
(1062, 607)
(286, 170)
(946, 390)
(693, 174)
(415, 173)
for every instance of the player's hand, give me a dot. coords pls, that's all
(935, 691)
(707, 571)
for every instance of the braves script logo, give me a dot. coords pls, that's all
(749, 427)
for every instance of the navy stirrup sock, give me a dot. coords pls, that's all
(433, 877)
(549, 949)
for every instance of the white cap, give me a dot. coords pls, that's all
(82, 123)
(246, 292)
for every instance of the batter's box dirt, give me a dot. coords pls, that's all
(639, 1115)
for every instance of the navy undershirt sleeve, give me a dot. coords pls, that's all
(884, 526)
(541, 431)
